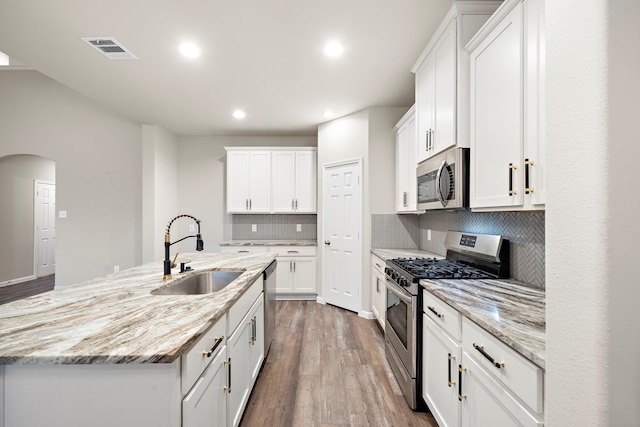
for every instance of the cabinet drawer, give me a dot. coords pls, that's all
(293, 250)
(244, 249)
(520, 375)
(442, 314)
(195, 361)
(377, 263)
(242, 306)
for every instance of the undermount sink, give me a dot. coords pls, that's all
(206, 282)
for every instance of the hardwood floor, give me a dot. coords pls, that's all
(327, 367)
(26, 289)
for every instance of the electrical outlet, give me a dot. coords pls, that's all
(254, 228)
(192, 228)
(298, 227)
(116, 268)
(428, 234)
(62, 214)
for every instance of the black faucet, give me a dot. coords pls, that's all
(168, 243)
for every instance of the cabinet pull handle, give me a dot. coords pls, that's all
(290, 267)
(294, 266)
(243, 252)
(292, 205)
(512, 167)
(208, 353)
(460, 371)
(228, 363)
(449, 382)
(493, 361)
(249, 204)
(426, 141)
(377, 285)
(527, 164)
(293, 252)
(433, 309)
(252, 322)
(246, 204)
(296, 204)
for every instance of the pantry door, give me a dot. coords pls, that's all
(45, 228)
(342, 224)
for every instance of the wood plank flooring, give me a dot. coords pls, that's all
(26, 289)
(327, 367)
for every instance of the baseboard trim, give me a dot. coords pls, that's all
(296, 297)
(367, 314)
(18, 280)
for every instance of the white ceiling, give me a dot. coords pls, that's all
(263, 56)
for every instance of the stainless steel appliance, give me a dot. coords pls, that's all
(469, 256)
(269, 278)
(443, 180)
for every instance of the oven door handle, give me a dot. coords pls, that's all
(398, 292)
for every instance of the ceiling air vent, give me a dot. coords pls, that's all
(109, 47)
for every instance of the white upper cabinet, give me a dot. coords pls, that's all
(294, 181)
(442, 80)
(271, 180)
(507, 116)
(406, 184)
(248, 181)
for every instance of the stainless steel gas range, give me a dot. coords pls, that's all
(469, 256)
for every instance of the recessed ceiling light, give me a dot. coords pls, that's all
(190, 50)
(239, 114)
(328, 114)
(333, 49)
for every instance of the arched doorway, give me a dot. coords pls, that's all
(27, 225)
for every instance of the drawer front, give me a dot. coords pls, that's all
(244, 249)
(240, 308)
(293, 250)
(442, 314)
(195, 361)
(520, 375)
(377, 263)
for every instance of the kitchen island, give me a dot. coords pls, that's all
(108, 352)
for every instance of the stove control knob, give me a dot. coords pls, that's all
(387, 270)
(402, 282)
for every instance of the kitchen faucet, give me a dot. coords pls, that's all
(168, 243)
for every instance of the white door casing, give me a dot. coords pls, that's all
(342, 223)
(44, 228)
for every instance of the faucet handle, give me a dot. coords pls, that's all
(173, 263)
(184, 267)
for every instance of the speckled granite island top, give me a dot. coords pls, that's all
(510, 311)
(269, 243)
(115, 319)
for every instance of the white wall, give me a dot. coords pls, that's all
(160, 190)
(17, 176)
(202, 181)
(98, 174)
(593, 351)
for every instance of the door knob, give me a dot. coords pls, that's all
(327, 242)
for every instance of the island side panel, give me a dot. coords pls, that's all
(92, 395)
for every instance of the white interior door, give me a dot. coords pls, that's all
(342, 260)
(45, 228)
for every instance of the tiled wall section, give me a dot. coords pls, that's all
(395, 231)
(525, 231)
(274, 227)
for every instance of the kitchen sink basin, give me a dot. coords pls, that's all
(206, 282)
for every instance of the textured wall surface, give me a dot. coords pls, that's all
(390, 231)
(274, 227)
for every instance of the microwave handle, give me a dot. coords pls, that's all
(439, 187)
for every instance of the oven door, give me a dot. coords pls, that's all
(400, 325)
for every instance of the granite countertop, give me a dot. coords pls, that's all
(115, 319)
(269, 243)
(511, 311)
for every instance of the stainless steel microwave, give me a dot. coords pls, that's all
(443, 180)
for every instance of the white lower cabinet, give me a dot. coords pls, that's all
(378, 289)
(472, 379)
(245, 351)
(206, 403)
(440, 379)
(296, 272)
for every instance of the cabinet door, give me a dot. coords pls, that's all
(304, 274)
(283, 173)
(425, 104)
(305, 181)
(205, 405)
(238, 164)
(406, 167)
(379, 296)
(284, 272)
(256, 341)
(260, 182)
(440, 358)
(496, 116)
(445, 91)
(238, 352)
(486, 403)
